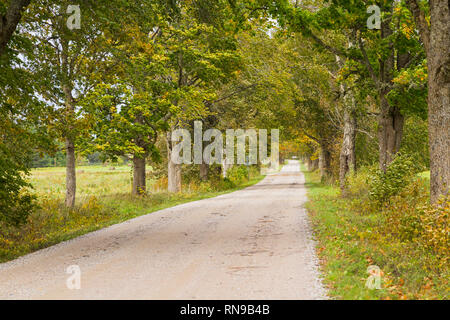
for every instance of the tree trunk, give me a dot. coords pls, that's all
(309, 163)
(324, 162)
(225, 167)
(173, 169)
(390, 120)
(204, 169)
(390, 132)
(315, 164)
(347, 159)
(439, 98)
(10, 20)
(71, 179)
(174, 177)
(139, 185)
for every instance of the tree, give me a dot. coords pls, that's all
(435, 37)
(201, 51)
(62, 64)
(16, 203)
(380, 54)
(19, 119)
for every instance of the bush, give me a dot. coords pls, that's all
(16, 203)
(411, 218)
(238, 174)
(357, 186)
(436, 228)
(384, 185)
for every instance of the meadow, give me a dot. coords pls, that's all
(95, 180)
(103, 199)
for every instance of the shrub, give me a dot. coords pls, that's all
(161, 184)
(411, 218)
(357, 186)
(237, 174)
(384, 185)
(436, 229)
(222, 184)
(16, 203)
(403, 216)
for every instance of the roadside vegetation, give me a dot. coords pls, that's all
(406, 237)
(105, 200)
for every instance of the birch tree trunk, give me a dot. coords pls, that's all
(71, 179)
(225, 167)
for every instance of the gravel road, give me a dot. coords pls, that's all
(251, 244)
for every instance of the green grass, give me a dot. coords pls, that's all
(91, 180)
(104, 199)
(349, 242)
(343, 260)
(425, 174)
(94, 168)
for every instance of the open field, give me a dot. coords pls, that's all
(103, 199)
(96, 181)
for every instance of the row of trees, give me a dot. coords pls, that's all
(133, 72)
(138, 69)
(404, 66)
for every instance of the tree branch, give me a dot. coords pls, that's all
(421, 23)
(10, 20)
(367, 63)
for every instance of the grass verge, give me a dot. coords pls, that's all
(351, 239)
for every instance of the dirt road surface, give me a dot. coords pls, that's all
(251, 244)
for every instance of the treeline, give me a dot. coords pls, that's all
(369, 92)
(130, 72)
(114, 78)
(44, 160)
